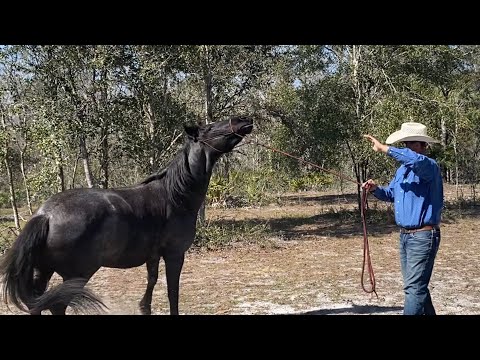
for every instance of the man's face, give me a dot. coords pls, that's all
(418, 146)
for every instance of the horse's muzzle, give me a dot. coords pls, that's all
(245, 129)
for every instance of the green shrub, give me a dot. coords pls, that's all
(219, 189)
(311, 181)
(4, 199)
(245, 188)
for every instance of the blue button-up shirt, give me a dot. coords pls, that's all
(416, 190)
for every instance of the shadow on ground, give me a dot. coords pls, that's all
(343, 222)
(343, 199)
(355, 309)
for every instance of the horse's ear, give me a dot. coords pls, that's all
(192, 131)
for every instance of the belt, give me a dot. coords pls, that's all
(425, 228)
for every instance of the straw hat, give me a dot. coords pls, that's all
(411, 131)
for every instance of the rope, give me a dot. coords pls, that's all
(366, 248)
(306, 162)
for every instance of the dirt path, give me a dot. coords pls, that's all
(311, 265)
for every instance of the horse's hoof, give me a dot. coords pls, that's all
(146, 310)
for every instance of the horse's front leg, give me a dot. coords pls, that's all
(173, 268)
(152, 270)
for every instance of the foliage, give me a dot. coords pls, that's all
(317, 181)
(4, 199)
(118, 111)
(245, 188)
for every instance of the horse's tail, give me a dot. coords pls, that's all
(16, 270)
(17, 265)
(69, 293)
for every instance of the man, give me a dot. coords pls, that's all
(417, 194)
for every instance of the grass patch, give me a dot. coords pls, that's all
(214, 236)
(460, 209)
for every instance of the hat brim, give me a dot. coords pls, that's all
(401, 136)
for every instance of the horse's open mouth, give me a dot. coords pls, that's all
(245, 129)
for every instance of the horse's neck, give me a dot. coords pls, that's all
(188, 177)
(199, 163)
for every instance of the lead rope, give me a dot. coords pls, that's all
(366, 248)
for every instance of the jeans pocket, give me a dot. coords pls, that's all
(422, 243)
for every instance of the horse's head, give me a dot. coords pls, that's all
(222, 136)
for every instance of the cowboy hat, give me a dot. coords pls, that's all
(411, 131)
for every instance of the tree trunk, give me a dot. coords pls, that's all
(207, 82)
(75, 98)
(13, 200)
(21, 151)
(359, 190)
(443, 141)
(355, 62)
(355, 56)
(60, 172)
(85, 160)
(456, 156)
(105, 158)
(149, 118)
(474, 193)
(74, 173)
(60, 178)
(104, 161)
(356, 168)
(25, 182)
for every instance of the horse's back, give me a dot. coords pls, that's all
(96, 226)
(73, 212)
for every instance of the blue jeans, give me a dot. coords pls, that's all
(417, 256)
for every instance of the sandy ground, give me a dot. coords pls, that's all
(310, 263)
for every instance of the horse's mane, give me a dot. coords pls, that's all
(157, 176)
(178, 180)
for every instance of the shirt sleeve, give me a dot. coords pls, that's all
(385, 193)
(421, 165)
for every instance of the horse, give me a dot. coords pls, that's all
(76, 232)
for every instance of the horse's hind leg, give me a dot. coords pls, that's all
(58, 309)
(152, 270)
(173, 268)
(40, 282)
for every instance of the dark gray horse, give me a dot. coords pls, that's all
(76, 232)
